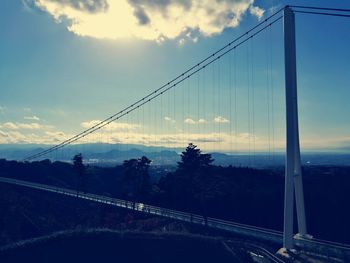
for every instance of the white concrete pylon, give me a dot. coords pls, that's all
(293, 176)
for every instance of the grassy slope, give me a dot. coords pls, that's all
(105, 245)
(27, 213)
(30, 214)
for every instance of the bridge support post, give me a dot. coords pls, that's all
(293, 176)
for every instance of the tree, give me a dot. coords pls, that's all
(79, 169)
(192, 159)
(136, 180)
(143, 166)
(194, 168)
(184, 186)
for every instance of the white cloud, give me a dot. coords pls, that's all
(220, 119)
(9, 125)
(55, 136)
(147, 19)
(168, 119)
(275, 8)
(17, 126)
(190, 121)
(256, 11)
(12, 132)
(182, 41)
(205, 140)
(113, 126)
(17, 136)
(3, 134)
(32, 118)
(24, 126)
(15, 132)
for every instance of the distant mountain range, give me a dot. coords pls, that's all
(112, 154)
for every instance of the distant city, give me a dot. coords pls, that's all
(102, 154)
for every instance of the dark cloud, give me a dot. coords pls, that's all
(159, 4)
(91, 6)
(141, 16)
(150, 3)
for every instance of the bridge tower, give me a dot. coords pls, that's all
(293, 174)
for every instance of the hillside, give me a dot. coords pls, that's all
(105, 245)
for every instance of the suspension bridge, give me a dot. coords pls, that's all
(231, 102)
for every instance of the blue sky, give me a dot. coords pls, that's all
(56, 80)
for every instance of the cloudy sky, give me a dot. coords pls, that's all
(66, 64)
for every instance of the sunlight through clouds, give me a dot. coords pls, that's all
(128, 133)
(124, 133)
(147, 19)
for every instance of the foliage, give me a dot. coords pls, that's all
(240, 194)
(136, 181)
(79, 169)
(193, 160)
(185, 186)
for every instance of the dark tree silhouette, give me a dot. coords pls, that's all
(192, 159)
(195, 166)
(185, 187)
(79, 169)
(136, 180)
(143, 166)
(238, 194)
